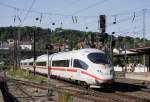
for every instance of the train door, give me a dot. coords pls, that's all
(70, 70)
(80, 66)
(66, 65)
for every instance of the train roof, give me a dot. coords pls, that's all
(89, 50)
(42, 57)
(75, 53)
(65, 55)
(80, 51)
(86, 50)
(27, 60)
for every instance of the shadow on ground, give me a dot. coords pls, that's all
(7, 96)
(122, 87)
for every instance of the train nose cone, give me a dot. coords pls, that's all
(98, 82)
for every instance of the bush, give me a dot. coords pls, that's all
(19, 73)
(4, 67)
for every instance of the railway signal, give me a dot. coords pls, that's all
(102, 23)
(49, 47)
(103, 38)
(92, 40)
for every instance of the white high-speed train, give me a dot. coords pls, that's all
(90, 67)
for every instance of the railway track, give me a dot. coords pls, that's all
(120, 95)
(25, 92)
(90, 94)
(142, 86)
(74, 92)
(28, 91)
(7, 96)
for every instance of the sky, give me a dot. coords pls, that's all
(79, 15)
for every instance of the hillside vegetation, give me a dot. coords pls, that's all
(59, 35)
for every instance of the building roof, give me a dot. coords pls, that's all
(141, 50)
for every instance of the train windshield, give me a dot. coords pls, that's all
(99, 58)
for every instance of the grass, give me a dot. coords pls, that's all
(4, 67)
(19, 73)
(65, 97)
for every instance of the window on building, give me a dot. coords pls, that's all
(80, 64)
(60, 63)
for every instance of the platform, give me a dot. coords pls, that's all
(138, 76)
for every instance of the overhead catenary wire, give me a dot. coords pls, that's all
(90, 6)
(69, 4)
(129, 28)
(119, 21)
(124, 19)
(38, 12)
(33, 11)
(78, 17)
(59, 14)
(28, 11)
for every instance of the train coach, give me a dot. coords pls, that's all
(91, 67)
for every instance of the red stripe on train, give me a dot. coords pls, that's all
(72, 70)
(61, 69)
(75, 70)
(85, 73)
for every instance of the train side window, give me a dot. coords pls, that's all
(24, 64)
(60, 63)
(80, 64)
(41, 63)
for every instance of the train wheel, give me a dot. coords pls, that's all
(77, 82)
(84, 84)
